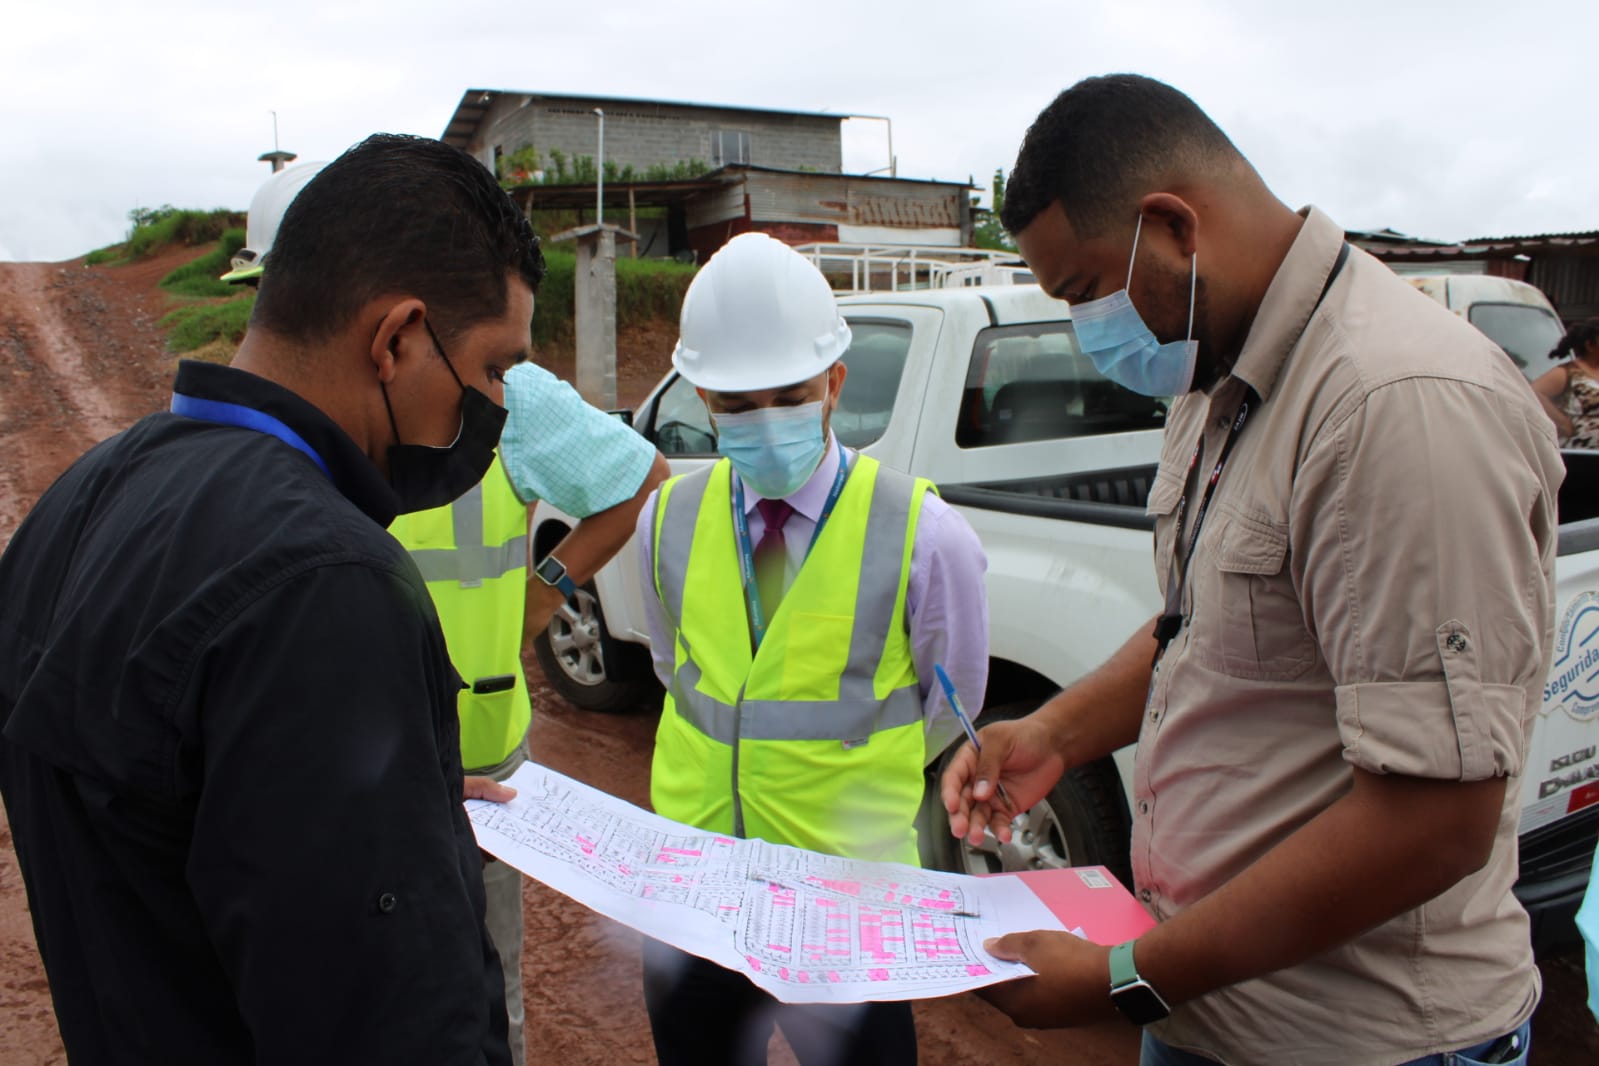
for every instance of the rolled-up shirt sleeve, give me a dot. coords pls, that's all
(559, 448)
(1423, 578)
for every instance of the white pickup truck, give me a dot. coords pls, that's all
(983, 391)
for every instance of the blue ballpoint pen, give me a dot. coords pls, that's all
(966, 723)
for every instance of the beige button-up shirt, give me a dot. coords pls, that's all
(1372, 586)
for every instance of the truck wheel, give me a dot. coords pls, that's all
(1082, 822)
(585, 665)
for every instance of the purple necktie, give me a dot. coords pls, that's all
(771, 556)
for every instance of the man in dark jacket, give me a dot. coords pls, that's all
(228, 737)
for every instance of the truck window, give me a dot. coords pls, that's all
(680, 424)
(1030, 382)
(876, 361)
(1527, 333)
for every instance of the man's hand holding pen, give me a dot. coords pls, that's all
(1017, 762)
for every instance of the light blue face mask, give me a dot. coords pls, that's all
(774, 449)
(1111, 332)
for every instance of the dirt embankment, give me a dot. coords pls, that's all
(80, 358)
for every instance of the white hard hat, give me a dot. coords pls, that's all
(267, 208)
(758, 316)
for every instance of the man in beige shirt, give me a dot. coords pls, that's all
(1355, 529)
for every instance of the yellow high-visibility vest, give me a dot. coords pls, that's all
(473, 556)
(816, 739)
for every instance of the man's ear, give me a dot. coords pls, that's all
(835, 382)
(1176, 216)
(398, 328)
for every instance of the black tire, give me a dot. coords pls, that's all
(586, 665)
(1082, 822)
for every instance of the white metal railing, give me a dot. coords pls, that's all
(856, 268)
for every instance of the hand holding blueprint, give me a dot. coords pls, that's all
(805, 927)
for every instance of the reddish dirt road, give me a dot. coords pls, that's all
(80, 357)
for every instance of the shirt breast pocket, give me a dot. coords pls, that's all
(1163, 497)
(1247, 619)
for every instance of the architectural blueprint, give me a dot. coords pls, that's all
(806, 927)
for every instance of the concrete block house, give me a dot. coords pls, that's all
(716, 170)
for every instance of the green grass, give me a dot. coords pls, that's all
(166, 226)
(645, 289)
(111, 253)
(199, 276)
(196, 325)
(650, 288)
(181, 227)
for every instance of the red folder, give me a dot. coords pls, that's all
(1089, 901)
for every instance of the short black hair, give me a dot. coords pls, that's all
(1104, 143)
(395, 214)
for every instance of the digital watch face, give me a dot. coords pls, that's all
(1139, 1003)
(553, 573)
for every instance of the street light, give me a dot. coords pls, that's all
(599, 176)
(277, 157)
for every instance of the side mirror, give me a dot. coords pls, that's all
(625, 414)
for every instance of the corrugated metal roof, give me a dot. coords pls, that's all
(1583, 235)
(852, 177)
(475, 103)
(1490, 247)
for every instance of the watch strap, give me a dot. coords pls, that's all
(1123, 972)
(1133, 996)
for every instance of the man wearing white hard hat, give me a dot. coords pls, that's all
(798, 596)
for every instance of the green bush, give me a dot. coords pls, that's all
(198, 277)
(650, 288)
(553, 309)
(180, 227)
(198, 324)
(645, 289)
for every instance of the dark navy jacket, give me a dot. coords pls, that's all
(230, 759)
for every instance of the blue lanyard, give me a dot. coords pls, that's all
(746, 554)
(232, 414)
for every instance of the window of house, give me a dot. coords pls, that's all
(1031, 382)
(730, 146)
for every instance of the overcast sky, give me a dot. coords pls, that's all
(1440, 118)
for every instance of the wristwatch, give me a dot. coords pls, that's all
(552, 572)
(1135, 997)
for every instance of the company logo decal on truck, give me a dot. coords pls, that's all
(1573, 683)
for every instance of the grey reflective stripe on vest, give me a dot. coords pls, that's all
(672, 547)
(841, 719)
(857, 713)
(470, 562)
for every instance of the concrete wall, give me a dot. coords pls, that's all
(644, 134)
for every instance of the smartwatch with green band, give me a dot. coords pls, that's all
(1135, 997)
(552, 572)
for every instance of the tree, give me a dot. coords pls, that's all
(987, 231)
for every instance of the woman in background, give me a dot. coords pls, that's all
(1570, 391)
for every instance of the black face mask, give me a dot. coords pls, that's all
(424, 477)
